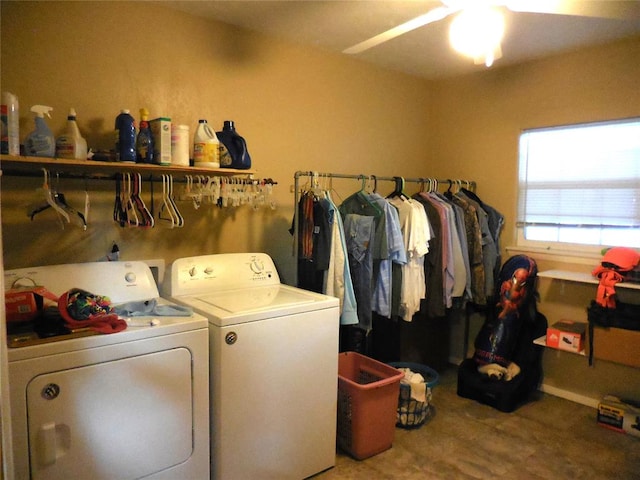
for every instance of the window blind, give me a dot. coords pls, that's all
(581, 176)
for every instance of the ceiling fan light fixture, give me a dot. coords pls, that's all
(477, 33)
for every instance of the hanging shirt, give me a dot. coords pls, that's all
(447, 248)
(395, 253)
(433, 268)
(338, 278)
(416, 233)
(359, 204)
(462, 234)
(457, 264)
(489, 252)
(474, 244)
(496, 222)
(314, 243)
(359, 233)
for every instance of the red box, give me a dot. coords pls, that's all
(367, 402)
(24, 304)
(567, 335)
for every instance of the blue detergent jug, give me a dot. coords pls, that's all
(238, 154)
(125, 133)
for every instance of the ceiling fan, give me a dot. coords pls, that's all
(478, 25)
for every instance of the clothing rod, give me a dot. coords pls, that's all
(450, 181)
(296, 189)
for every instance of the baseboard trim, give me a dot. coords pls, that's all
(568, 395)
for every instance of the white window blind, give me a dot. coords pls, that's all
(581, 184)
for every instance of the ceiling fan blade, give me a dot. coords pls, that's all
(431, 16)
(615, 9)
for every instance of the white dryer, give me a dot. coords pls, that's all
(273, 366)
(127, 405)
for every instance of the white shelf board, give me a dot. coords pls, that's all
(582, 278)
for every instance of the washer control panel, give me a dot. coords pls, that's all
(121, 281)
(221, 272)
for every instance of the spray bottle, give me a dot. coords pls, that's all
(71, 144)
(40, 142)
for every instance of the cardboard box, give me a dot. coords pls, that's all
(617, 345)
(161, 130)
(617, 415)
(24, 304)
(567, 335)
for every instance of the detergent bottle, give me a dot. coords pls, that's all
(144, 142)
(71, 144)
(205, 147)
(40, 142)
(10, 114)
(125, 133)
(237, 154)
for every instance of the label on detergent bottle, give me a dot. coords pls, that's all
(205, 153)
(65, 147)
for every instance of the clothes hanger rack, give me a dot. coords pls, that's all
(313, 179)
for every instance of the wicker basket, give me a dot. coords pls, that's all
(412, 413)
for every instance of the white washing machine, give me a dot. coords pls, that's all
(273, 366)
(126, 405)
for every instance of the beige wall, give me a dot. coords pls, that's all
(478, 118)
(300, 109)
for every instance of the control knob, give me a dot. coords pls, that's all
(256, 265)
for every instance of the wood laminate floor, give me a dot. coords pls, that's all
(548, 438)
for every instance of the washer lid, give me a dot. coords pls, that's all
(255, 299)
(244, 305)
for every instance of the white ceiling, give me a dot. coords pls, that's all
(337, 24)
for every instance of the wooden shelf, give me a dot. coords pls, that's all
(582, 278)
(31, 165)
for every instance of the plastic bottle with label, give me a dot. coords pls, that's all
(233, 147)
(71, 144)
(180, 145)
(40, 142)
(10, 115)
(205, 147)
(144, 142)
(125, 133)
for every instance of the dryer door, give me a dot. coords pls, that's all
(112, 420)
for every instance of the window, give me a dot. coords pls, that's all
(580, 185)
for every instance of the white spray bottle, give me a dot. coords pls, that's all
(71, 144)
(40, 142)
